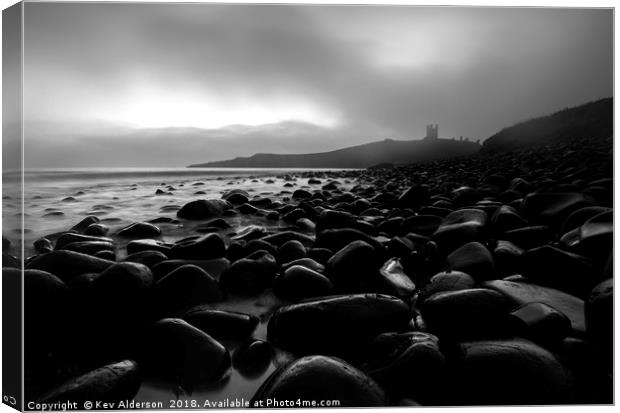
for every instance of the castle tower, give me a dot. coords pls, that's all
(431, 131)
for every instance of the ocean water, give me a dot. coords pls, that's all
(57, 199)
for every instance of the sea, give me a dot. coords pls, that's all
(57, 199)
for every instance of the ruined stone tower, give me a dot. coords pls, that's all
(431, 131)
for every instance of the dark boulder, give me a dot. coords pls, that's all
(203, 209)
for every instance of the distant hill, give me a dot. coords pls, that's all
(593, 120)
(361, 156)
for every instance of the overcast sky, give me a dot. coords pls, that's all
(173, 84)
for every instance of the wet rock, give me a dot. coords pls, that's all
(253, 357)
(507, 257)
(236, 197)
(220, 324)
(420, 224)
(281, 237)
(305, 262)
(69, 238)
(257, 245)
(89, 247)
(507, 372)
(414, 197)
(81, 226)
(201, 248)
(185, 287)
(520, 293)
(148, 245)
(474, 259)
(446, 281)
(290, 251)
(111, 383)
(529, 237)
(250, 276)
(214, 267)
(580, 216)
(249, 233)
(552, 208)
(338, 324)
(540, 323)
(149, 257)
(298, 282)
(409, 364)
(175, 349)
(139, 230)
(394, 281)
(43, 245)
(203, 209)
(599, 313)
(45, 306)
(331, 219)
(321, 378)
(68, 264)
(506, 218)
(354, 268)
(301, 194)
(336, 239)
(559, 269)
(106, 255)
(593, 239)
(471, 313)
(460, 227)
(97, 230)
(465, 196)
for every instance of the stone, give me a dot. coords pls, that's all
(593, 239)
(421, 224)
(599, 313)
(253, 357)
(149, 258)
(201, 248)
(214, 267)
(332, 219)
(45, 305)
(185, 287)
(507, 372)
(97, 230)
(414, 197)
(70, 238)
(506, 218)
(148, 245)
(43, 245)
(203, 209)
(220, 324)
(81, 226)
(290, 251)
(521, 293)
(507, 257)
(471, 313)
(446, 281)
(298, 282)
(321, 378)
(460, 227)
(236, 197)
(580, 216)
(250, 276)
(529, 237)
(540, 323)
(301, 194)
(552, 208)
(409, 363)
(280, 238)
(560, 269)
(474, 259)
(393, 280)
(305, 262)
(177, 350)
(338, 324)
(108, 384)
(354, 268)
(139, 230)
(337, 239)
(88, 247)
(68, 264)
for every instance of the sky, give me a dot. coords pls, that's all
(115, 84)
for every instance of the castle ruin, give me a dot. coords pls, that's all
(431, 131)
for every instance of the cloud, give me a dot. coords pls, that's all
(352, 72)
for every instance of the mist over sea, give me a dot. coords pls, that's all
(55, 199)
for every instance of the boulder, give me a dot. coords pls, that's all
(354, 268)
(139, 230)
(474, 259)
(203, 209)
(250, 276)
(185, 287)
(220, 324)
(201, 248)
(320, 378)
(299, 282)
(68, 264)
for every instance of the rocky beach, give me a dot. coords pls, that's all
(480, 280)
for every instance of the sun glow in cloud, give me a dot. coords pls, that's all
(161, 109)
